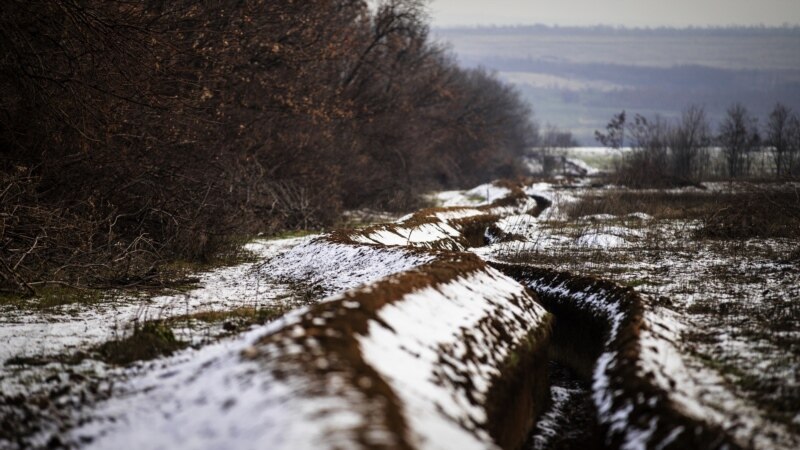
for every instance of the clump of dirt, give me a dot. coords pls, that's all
(335, 339)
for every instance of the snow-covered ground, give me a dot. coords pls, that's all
(258, 390)
(437, 348)
(723, 334)
(477, 196)
(250, 390)
(29, 332)
(334, 267)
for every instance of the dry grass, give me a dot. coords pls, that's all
(148, 341)
(755, 212)
(51, 296)
(659, 204)
(232, 320)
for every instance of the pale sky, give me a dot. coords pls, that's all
(631, 13)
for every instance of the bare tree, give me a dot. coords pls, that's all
(614, 137)
(554, 143)
(739, 138)
(777, 135)
(647, 161)
(793, 149)
(689, 140)
(214, 119)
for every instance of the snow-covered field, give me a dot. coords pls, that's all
(29, 332)
(723, 334)
(234, 390)
(396, 335)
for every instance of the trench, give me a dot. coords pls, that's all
(576, 341)
(570, 422)
(596, 335)
(582, 387)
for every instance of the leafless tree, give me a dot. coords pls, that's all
(614, 137)
(777, 137)
(793, 148)
(554, 143)
(738, 136)
(689, 140)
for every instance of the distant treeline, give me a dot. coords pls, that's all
(666, 152)
(678, 76)
(723, 31)
(134, 132)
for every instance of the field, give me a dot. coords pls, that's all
(717, 265)
(649, 312)
(310, 225)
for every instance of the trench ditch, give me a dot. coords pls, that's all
(581, 355)
(593, 351)
(597, 330)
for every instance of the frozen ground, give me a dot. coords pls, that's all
(198, 394)
(727, 312)
(47, 371)
(214, 394)
(31, 332)
(722, 335)
(477, 196)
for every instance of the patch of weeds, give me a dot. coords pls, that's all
(49, 297)
(303, 293)
(235, 319)
(37, 361)
(752, 217)
(659, 204)
(148, 341)
(779, 402)
(476, 198)
(638, 282)
(702, 307)
(34, 361)
(17, 301)
(181, 275)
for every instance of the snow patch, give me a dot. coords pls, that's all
(480, 195)
(600, 240)
(337, 267)
(68, 328)
(405, 347)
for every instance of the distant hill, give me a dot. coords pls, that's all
(575, 77)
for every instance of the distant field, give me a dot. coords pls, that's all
(576, 78)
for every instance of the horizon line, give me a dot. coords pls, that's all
(620, 27)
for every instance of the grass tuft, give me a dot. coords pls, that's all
(52, 296)
(148, 341)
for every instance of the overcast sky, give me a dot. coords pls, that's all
(632, 13)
